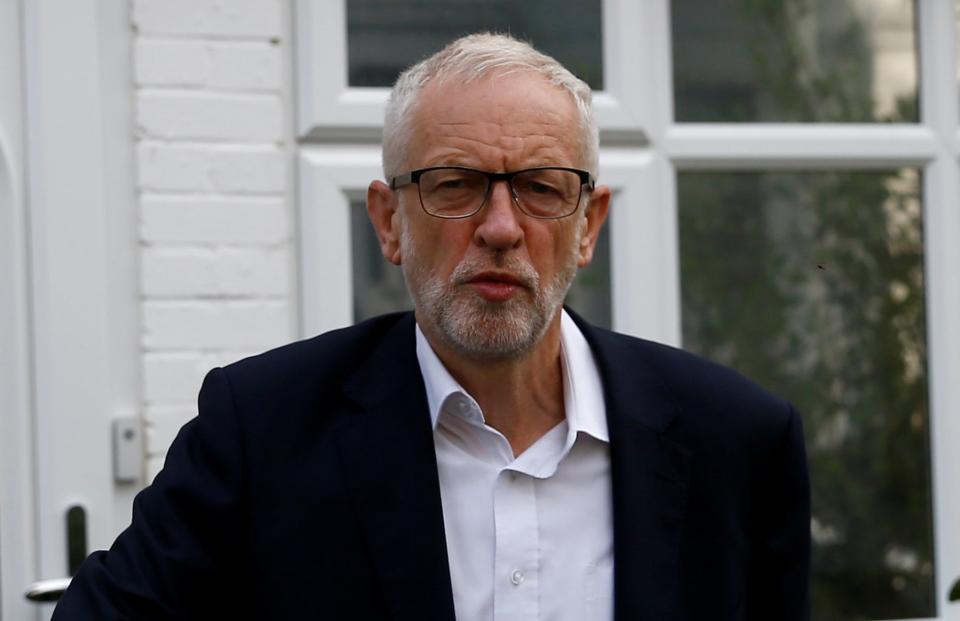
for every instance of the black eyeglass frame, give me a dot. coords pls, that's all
(586, 179)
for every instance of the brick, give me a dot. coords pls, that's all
(251, 65)
(234, 324)
(173, 376)
(192, 271)
(163, 423)
(209, 116)
(169, 62)
(255, 271)
(233, 18)
(205, 220)
(178, 272)
(211, 168)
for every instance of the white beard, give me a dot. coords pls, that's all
(479, 328)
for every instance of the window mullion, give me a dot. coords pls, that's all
(645, 271)
(940, 111)
(782, 145)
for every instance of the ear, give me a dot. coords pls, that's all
(596, 215)
(382, 207)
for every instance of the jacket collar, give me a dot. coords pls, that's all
(582, 388)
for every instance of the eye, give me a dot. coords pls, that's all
(451, 183)
(450, 180)
(540, 187)
(543, 184)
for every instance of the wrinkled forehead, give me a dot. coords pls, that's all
(465, 84)
(499, 110)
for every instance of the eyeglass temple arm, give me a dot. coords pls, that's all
(401, 180)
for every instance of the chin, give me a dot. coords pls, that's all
(482, 329)
(491, 330)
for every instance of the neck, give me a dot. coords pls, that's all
(521, 396)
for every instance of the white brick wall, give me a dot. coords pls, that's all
(213, 220)
(212, 65)
(213, 168)
(259, 19)
(187, 114)
(216, 217)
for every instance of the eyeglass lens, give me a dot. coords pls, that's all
(543, 193)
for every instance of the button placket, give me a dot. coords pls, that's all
(516, 565)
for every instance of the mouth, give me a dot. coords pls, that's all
(495, 286)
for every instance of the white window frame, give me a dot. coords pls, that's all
(332, 177)
(642, 151)
(330, 108)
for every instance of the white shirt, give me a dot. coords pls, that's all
(529, 537)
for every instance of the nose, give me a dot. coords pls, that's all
(499, 225)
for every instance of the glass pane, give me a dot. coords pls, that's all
(794, 60)
(813, 285)
(590, 293)
(378, 286)
(386, 36)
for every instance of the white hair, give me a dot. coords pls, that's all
(470, 58)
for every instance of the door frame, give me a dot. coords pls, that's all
(73, 261)
(17, 552)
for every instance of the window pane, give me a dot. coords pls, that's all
(812, 284)
(794, 60)
(386, 36)
(378, 286)
(590, 293)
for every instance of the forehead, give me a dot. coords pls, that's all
(502, 121)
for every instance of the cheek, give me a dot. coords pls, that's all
(440, 246)
(566, 243)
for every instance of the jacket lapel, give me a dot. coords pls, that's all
(650, 474)
(390, 467)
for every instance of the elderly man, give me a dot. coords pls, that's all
(490, 456)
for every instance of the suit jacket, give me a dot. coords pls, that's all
(307, 488)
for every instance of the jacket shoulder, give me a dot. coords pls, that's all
(313, 364)
(702, 392)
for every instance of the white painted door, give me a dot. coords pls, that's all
(68, 297)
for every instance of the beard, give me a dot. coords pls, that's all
(480, 328)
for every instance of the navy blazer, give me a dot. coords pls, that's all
(307, 488)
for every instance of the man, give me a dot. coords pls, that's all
(490, 456)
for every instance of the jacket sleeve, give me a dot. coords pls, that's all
(779, 575)
(176, 559)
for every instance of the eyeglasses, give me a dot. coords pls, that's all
(451, 192)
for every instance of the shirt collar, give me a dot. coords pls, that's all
(582, 389)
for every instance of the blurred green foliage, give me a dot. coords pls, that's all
(812, 284)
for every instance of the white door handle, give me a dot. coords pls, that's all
(47, 590)
(51, 590)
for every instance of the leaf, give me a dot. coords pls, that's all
(954, 592)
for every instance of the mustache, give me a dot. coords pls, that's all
(523, 272)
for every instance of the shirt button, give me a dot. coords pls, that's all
(463, 407)
(516, 577)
